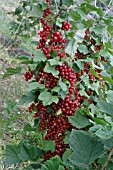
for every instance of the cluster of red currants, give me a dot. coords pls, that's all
(55, 123)
(66, 26)
(68, 73)
(67, 106)
(57, 37)
(28, 76)
(88, 41)
(47, 78)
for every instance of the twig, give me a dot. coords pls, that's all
(15, 32)
(104, 154)
(80, 81)
(108, 159)
(95, 165)
(95, 3)
(108, 8)
(110, 3)
(59, 12)
(61, 2)
(56, 6)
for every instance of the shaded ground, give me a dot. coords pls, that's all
(11, 89)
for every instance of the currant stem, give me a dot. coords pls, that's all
(108, 159)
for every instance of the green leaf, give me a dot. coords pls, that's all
(67, 3)
(62, 94)
(39, 56)
(63, 86)
(104, 52)
(75, 15)
(28, 97)
(35, 166)
(22, 152)
(80, 64)
(110, 95)
(18, 10)
(67, 136)
(98, 29)
(36, 11)
(71, 45)
(61, 167)
(12, 71)
(67, 154)
(74, 27)
(87, 23)
(1, 122)
(110, 30)
(83, 49)
(95, 86)
(44, 5)
(34, 86)
(28, 128)
(83, 93)
(111, 70)
(52, 164)
(92, 71)
(109, 79)
(89, 8)
(55, 61)
(102, 159)
(12, 155)
(76, 68)
(31, 151)
(59, 22)
(104, 133)
(105, 107)
(58, 112)
(22, 58)
(85, 148)
(51, 69)
(56, 89)
(85, 79)
(99, 121)
(49, 145)
(1, 133)
(26, 62)
(79, 120)
(82, 14)
(108, 142)
(47, 98)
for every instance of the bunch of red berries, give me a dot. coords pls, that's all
(67, 106)
(48, 79)
(28, 76)
(57, 38)
(66, 26)
(54, 123)
(68, 73)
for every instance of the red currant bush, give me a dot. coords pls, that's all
(66, 82)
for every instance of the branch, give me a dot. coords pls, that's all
(109, 3)
(95, 3)
(60, 11)
(61, 3)
(56, 6)
(55, 27)
(108, 159)
(103, 5)
(80, 81)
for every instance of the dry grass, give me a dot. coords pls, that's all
(11, 88)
